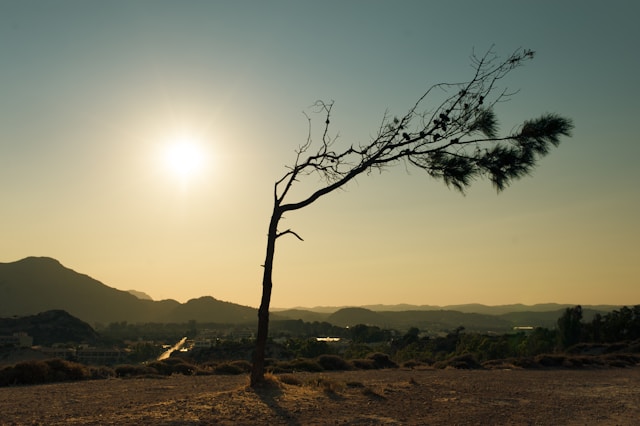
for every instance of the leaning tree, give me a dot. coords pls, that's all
(455, 140)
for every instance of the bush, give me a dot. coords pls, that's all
(101, 372)
(185, 369)
(333, 362)
(8, 376)
(304, 364)
(290, 379)
(300, 364)
(382, 360)
(550, 360)
(466, 361)
(228, 368)
(413, 363)
(161, 367)
(62, 370)
(128, 370)
(364, 364)
(32, 372)
(47, 371)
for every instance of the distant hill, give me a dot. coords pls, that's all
(140, 294)
(476, 308)
(348, 317)
(38, 284)
(50, 327)
(440, 320)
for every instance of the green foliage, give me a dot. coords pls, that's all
(357, 350)
(570, 327)
(361, 333)
(308, 348)
(619, 325)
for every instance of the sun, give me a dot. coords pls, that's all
(184, 157)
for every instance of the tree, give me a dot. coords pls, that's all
(570, 327)
(457, 141)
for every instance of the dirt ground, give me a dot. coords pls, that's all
(398, 396)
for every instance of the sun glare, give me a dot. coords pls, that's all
(184, 157)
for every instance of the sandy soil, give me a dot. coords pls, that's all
(451, 397)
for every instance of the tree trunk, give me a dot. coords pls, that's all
(257, 369)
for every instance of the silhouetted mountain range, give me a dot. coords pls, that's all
(37, 284)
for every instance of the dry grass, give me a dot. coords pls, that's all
(400, 396)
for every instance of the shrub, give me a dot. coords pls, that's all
(62, 370)
(466, 361)
(364, 364)
(228, 368)
(333, 362)
(161, 367)
(101, 372)
(300, 364)
(185, 369)
(550, 360)
(32, 372)
(382, 360)
(47, 371)
(413, 363)
(290, 379)
(8, 376)
(128, 370)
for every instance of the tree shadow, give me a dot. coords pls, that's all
(269, 394)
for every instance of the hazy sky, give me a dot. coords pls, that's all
(92, 94)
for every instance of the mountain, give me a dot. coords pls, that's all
(37, 284)
(434, 320)
(348, 317)
(50, 327)
(140, 294)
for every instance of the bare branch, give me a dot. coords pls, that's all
(289, 231)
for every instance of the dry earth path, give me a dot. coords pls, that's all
(393, 397)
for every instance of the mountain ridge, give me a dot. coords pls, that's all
(37, 284)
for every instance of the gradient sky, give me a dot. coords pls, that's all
(91, 92)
